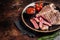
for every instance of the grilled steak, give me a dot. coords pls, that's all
(40, 23)
(50, 13)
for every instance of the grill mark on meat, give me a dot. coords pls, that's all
(45, 19)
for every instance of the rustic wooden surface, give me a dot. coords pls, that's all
(8, 12)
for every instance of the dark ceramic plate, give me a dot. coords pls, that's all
(26, 19)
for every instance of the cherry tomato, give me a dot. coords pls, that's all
(41, 5)
(30, 10)
(38, 6)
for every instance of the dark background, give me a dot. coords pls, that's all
(8, 12)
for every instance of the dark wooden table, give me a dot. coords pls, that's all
(8, 12)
